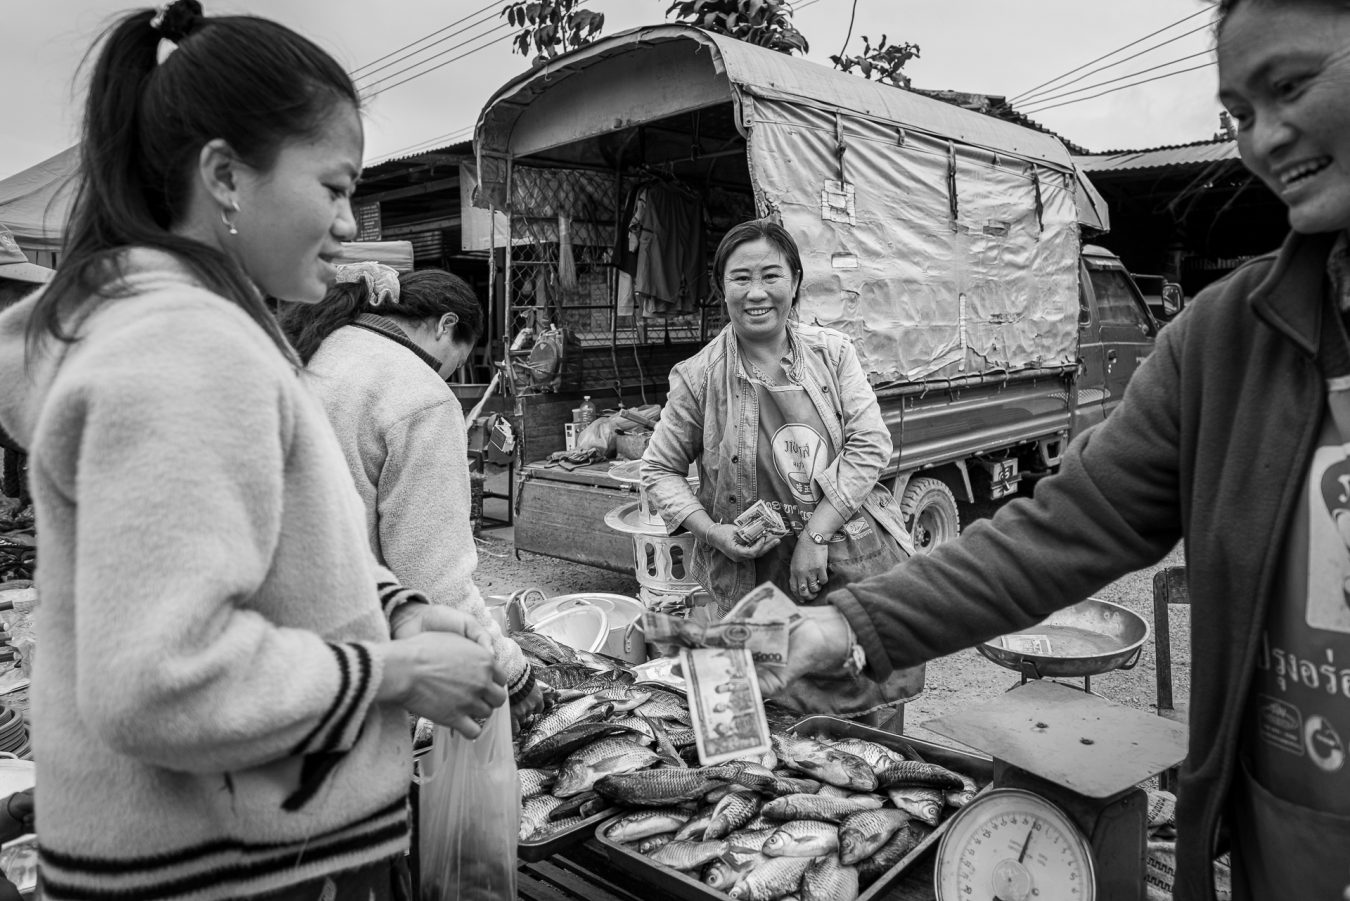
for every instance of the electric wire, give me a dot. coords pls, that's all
(452, 59)
(1119, 88)
(1103, 56)
(1089, 87)
(1040, 95)
(360, 69)
(407, 56)
(376, 83)
(450, 137)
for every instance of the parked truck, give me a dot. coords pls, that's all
(946, 243)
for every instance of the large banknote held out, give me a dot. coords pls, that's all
(719, 661)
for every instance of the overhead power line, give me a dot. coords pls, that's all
(1104, 55)
(367, 75)
(1037, 96)
(360, 70)
(450, 137)
(1099, 84)
(375, 84)
(447, 62)
(1120, 88)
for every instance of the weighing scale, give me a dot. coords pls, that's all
(1063, 818)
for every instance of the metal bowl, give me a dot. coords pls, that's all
(1087, 639)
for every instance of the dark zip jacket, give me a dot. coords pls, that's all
(1210, 444)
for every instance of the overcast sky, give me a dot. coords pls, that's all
(1002, 47)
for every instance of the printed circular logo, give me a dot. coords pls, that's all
(1324, 745)
(736, 634)
(797, 451)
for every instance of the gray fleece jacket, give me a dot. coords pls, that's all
(211, 634)
(402, 433)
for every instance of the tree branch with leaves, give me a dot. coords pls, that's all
(885, 61)
(550, 27)
(766, 23)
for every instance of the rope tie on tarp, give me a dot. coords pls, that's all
(951, 181)
(840, 148)
(1040, 201)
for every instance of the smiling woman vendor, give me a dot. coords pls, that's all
(778, 411)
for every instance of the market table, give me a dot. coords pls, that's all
(584, 873)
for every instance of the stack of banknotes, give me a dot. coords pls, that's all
(758, 519)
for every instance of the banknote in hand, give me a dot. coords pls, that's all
(725, 704)
(764, 602)
(767, 640)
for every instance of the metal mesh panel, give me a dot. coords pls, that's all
(538, 293)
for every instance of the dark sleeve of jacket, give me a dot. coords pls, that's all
(1113, 507)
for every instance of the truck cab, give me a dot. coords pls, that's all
(1116, 332)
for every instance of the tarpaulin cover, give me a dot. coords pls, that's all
(35, 203)
(923, 295)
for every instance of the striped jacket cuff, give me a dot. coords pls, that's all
(520, 686)
(340, 725)
(394, 596)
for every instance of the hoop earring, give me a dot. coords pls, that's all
(226, 219)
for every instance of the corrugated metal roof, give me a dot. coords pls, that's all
(1186, 155)
(464, 147)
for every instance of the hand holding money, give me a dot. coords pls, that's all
(767, 641)
(758, 520)
(819, 642)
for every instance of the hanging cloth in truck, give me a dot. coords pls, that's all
(666, 239)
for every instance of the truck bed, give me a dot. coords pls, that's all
(562, 514)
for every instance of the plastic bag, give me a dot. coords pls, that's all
(599, 435)
(469, 819)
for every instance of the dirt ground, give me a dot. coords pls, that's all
(953, 683)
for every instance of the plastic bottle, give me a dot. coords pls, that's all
(587, 414)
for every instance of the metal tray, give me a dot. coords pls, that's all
(1117, 636)
(686, 887)
(573, 835)
(976, 766)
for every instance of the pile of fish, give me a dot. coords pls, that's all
(599, 722)
(815, 819)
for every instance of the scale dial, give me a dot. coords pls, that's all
(1012, 845)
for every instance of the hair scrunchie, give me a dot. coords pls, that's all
(381, 281)
(175, 21)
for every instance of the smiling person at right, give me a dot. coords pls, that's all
(1234, 436)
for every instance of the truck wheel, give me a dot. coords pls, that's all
(929, 509)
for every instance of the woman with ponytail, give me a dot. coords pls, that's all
(220, 706)
(378, 350)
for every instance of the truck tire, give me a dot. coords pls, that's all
(930, 513)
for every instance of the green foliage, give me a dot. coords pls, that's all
(767, 23)
(885, 61)
(550, 27)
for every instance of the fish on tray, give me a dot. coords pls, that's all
(646, 823)
(657, 788)
(680, 855)
(803, 838)
(826, 879)
(824, 763)
(609, 756)
(862, 834)
(774, 878)
(814, 807)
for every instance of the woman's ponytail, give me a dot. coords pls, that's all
(248, 81)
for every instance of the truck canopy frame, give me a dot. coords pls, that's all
(988, 276)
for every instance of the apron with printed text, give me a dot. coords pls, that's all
(794, 446)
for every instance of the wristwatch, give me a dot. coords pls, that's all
(817, 538)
